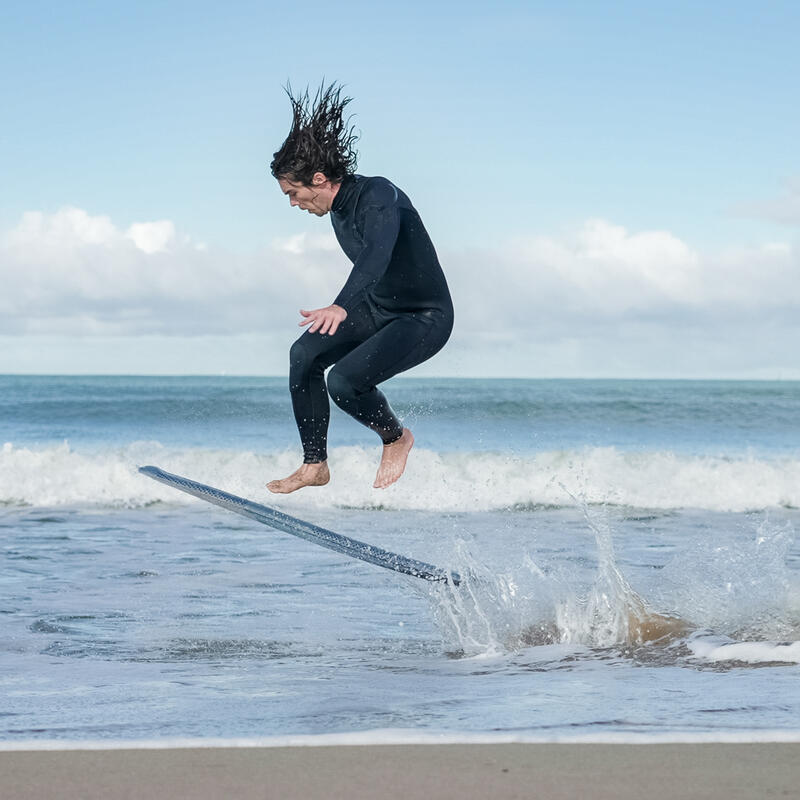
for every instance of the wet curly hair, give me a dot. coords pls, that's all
(320, 139)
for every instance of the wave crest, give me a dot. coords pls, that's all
(59, 475)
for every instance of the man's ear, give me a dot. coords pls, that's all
(318, 179)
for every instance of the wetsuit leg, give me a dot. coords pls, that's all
(403, 342)
(309, 357)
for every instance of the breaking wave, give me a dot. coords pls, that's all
(436, 481)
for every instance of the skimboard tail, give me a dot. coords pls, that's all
(305, 530)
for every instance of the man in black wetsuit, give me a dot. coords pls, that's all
(394, 311)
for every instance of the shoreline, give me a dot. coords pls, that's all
(387, 737)
(470, 771)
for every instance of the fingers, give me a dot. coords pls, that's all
(324, 320)
(311, 318)
(329, 323)
(318, 321)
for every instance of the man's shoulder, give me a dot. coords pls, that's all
(377, 190)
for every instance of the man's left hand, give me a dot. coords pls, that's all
(324, 320)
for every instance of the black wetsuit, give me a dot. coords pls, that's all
(399, 314)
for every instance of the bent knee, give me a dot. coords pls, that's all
(303, 366)
(302, 361)
(298, 354)
(340, 387)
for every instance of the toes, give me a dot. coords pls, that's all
(386, 478)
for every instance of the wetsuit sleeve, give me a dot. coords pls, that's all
(380, 223)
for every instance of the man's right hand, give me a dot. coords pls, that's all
(324, 320)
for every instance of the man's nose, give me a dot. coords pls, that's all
(293, 202)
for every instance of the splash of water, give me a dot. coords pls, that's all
(737, 584)
(612, 612)
(490, 614)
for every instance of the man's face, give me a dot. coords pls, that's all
(316, 198)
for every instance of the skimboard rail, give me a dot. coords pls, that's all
(304, 530)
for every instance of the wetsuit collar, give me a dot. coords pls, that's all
(343, 195)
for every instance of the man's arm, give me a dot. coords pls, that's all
(380, 226)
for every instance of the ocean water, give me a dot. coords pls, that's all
(630, 552)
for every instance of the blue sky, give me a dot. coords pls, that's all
(517, 129)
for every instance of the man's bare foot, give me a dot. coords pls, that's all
(307, 475)
(393, 460)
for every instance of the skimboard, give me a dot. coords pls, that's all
(305, 530)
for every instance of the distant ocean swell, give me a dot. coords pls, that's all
(62, 476)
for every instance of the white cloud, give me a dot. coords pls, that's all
(304, 243)
(603, 272)
(74, 273)
(151, 237)
(603, 262)
(68, 228)
(598, 299)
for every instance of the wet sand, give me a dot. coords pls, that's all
(466, 771)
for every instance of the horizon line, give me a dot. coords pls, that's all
(404, 377)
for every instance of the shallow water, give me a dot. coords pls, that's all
(131, 612)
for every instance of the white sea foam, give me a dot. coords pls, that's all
(61, 475)
(401, 736)
(718, 650)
